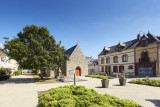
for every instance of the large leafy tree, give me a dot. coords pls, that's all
(35, 48)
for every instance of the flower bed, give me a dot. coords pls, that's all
(99, 76)
(79, 96)
(146, 82)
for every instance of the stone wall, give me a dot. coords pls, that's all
(77, 59)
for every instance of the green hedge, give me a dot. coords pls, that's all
(17, 72)
(4, 72)
(146, 82)
(79, 96)
(99, 76)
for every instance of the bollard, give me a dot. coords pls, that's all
(74, 79)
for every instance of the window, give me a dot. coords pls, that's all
(115, 69)
(130, 67)
(119, 49)
(102, 61)
(102, 69)
(125, 58)
(115, 59)
(2, 59)
(144, 43)
(108, 60)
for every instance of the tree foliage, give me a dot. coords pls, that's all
(35, 48)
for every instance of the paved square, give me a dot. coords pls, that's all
(21, 91)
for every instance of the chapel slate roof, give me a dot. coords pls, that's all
(134, 43)
(70, 50)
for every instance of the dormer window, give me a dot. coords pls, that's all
(144, 42)
(106, 50)
(119, 49)
(120, 46)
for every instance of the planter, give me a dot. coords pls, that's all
(105, 83)
(122, 82)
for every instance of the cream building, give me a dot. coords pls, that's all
(118, 59)
(92, 65)
(6, 62)
(140, 57)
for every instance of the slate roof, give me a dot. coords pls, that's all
(91, 60)
(70, 50)
(133, 43)
(3, 50)
(128, 45)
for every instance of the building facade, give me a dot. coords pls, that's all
(147, 54)
(138, 57)
(117, 59)
(6, 62)
(92, 65)
(77, 63)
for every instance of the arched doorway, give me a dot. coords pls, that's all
(78, 71)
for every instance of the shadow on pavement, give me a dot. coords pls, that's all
(99, 87)
(156, 102)
(18, 80)
(116, 85)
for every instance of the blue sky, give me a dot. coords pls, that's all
(94, 23)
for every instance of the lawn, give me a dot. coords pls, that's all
(46, 80)
(149, 82)
(100, 76)
(79, 96)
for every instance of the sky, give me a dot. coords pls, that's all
(93, 23)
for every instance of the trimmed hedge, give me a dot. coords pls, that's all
(146, 82)
(4, 72)
(17, 72)
(79, 96)
(100, 76)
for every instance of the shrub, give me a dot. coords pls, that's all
(2, 72)
(35, 71)
(17, 72)
(121, 77)
(99, 76)
(146, 82)
(79, 96)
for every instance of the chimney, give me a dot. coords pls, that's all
(138, 37)
(1, 46)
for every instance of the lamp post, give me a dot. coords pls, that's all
(74, 78)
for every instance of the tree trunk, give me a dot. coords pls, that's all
(41, 75)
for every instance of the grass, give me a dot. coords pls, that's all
(46, 80)
(149, 82)
(100, 76)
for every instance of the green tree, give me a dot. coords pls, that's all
(35, 48)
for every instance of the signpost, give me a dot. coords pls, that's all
(74, 78)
